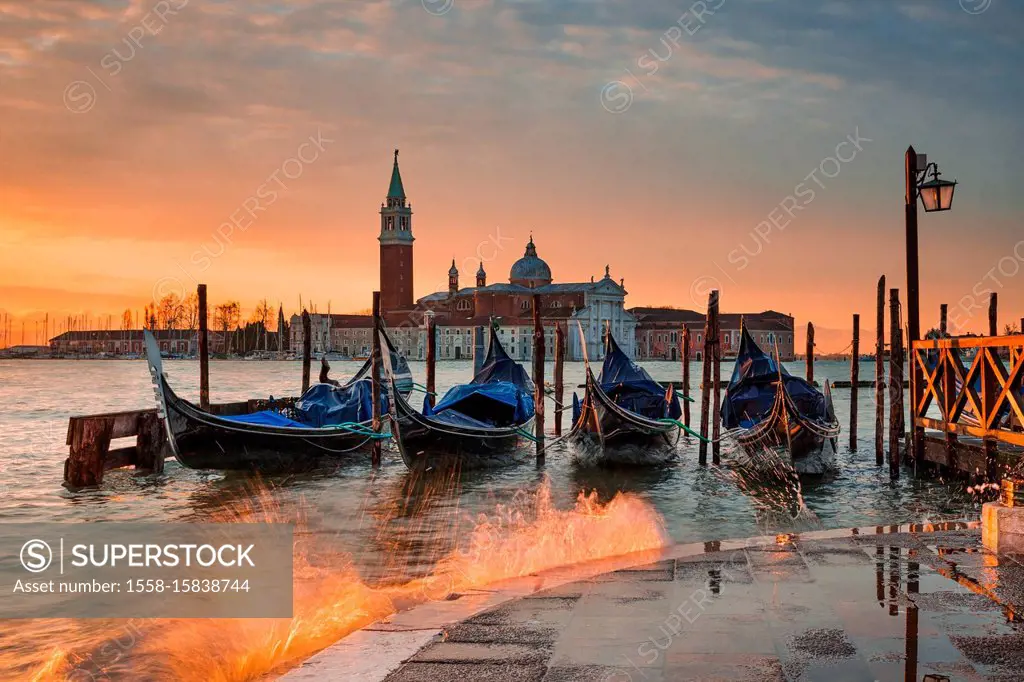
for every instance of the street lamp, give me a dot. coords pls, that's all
(936, 195)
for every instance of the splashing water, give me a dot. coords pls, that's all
(331, 600)
(771, 483)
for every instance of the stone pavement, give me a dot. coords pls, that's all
(862, 605)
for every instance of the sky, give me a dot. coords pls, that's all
(752, 146)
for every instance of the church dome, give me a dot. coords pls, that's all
(530, 270)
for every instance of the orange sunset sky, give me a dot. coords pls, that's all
(634, 134)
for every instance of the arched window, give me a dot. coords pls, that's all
(556, 304)
(524, 304)
(464, 304)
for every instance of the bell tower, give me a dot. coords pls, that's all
(396, 247)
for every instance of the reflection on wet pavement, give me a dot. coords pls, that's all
(874, 604)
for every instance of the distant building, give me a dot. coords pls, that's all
(594, 305)
(25, 351)
(659, 332)
(131, 342)
(344, 334)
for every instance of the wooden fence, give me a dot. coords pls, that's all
(982, 399)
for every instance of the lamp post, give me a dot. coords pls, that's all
(936, 195)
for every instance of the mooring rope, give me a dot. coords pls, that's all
(686, 428)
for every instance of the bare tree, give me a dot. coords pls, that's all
(126, 320)
(226, 316)
(169, 311)
(261, 315)
(190, 311)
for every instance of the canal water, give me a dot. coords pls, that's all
(388, 526)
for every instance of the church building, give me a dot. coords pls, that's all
(459, 309)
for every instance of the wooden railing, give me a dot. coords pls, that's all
(983, 400)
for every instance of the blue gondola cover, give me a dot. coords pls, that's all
(501, 394)
(751, 391)
(632, 388)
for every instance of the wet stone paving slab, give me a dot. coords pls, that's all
(865, 607)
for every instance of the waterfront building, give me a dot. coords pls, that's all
(117, 342)
(659, 332)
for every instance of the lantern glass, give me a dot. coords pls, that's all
(937, 195)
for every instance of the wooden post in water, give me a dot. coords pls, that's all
(89, 444)
(538, 377)
(705, 386)
(895, 384)
(686, 375)
(431, 357)
(204, 354)
(880, 374)
(559, 374)
(375, 369)
(993, 318)
(716, 381)
(944, 318)
(479, 349)
(307, 349)
(149, 443)
(810, 353)
(854, 380)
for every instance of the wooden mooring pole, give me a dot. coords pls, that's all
(809, 359)
(431, 358)
(204, 354)
(944, 319)
(716, 380)
(307, 349)
(854, 380)
(686, 375)
(375, 368)
(993, 316)
(559, 376)
(89, 444)
(538, 377)
(705, 386)
(149, 443)
(880, 375)
(895, 384)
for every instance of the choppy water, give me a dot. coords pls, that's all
(377, 533)
(388, 518)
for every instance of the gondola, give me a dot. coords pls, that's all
(625, 417)
(479, 424)
(326, 422)
(768, 408)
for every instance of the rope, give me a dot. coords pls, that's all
(526, 434)
(355, 427)
(356, 447)
(422, 388)
(686, 428)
